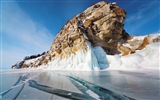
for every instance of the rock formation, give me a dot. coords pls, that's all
(99, 25)
(137, 43)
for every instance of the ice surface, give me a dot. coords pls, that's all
(93, 94)
(55, 85)
(133, 76)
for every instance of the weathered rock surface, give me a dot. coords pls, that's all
(137, 43)
(101, 25)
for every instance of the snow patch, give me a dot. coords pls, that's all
(27, 62)
(127, 45)
(137, 38)
(146, 58)
(151, 37)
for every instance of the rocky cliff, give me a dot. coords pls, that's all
(101, 25)
(98, 29)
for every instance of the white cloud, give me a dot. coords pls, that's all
(19, 27)
(139, 15)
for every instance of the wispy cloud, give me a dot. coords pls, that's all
(140, 13)
(136, 20)
(19, 28)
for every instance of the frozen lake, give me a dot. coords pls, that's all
(61, 85)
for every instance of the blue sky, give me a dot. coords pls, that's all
(29, 26)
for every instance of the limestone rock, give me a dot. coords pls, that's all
(144, 43)
(124, 50)
(137, 43)
(100, 24)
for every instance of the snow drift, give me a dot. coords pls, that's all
(146, 58)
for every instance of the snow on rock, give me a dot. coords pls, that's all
(150, 37)
(137, 38)
(127, 45)
(146, 58)
(96, 59)
(92, 59)
(32, 60)
(138, 43)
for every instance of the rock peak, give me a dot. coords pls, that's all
(99, 25)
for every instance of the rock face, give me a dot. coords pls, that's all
(99, 25)
(137, 43)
